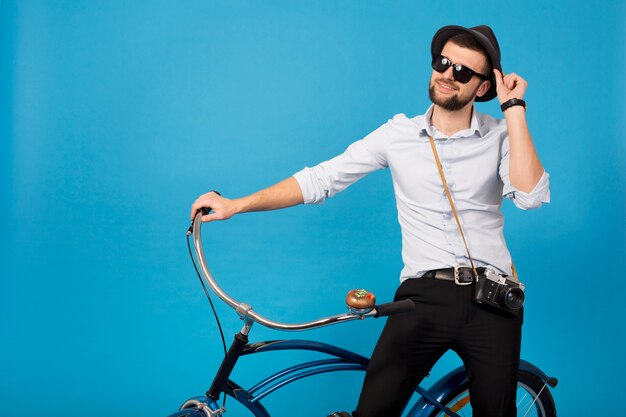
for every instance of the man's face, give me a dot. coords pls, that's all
(450, 94)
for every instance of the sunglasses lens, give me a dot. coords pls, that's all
(436, 64)
(462, 74)
(440, 64)
(459, 72)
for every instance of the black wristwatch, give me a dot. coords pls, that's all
(513, 102)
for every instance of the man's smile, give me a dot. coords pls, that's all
(445, 87)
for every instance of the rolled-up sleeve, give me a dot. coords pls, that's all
(330, 177)
(535, 198)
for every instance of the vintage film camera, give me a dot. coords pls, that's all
(497, 291)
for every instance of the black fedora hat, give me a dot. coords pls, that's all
(485, 36)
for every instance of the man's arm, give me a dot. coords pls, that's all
(525, 169)
(286, 193)
(312, 185)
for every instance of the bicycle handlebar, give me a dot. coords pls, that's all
(396, 307)
(246, 312)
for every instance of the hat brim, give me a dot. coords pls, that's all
(446, 32)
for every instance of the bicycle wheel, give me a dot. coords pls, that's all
(533, 399)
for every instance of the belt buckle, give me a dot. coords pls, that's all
(458, 273)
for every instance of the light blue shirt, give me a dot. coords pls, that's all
(476, 165)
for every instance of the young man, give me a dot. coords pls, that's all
(483, 160)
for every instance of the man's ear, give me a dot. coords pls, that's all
(484, 87)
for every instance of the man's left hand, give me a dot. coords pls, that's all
(510, 86)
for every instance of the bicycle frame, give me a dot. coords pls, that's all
(340, 360)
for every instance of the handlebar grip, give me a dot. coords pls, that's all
(204, 211)
(207, 210)
(397, 307)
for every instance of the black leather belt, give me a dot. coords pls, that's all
(462, 275)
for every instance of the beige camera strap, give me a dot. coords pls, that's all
(456, 216)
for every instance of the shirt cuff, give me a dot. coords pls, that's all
(534, 199)
(310, 193)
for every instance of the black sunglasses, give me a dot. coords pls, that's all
(460, 72)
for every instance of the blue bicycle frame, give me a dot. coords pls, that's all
(341, 360)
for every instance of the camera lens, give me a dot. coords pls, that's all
(514, 298)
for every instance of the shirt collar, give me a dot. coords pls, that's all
(477, 127)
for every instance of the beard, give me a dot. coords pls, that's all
(453, 103)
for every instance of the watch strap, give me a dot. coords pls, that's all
(513, 102)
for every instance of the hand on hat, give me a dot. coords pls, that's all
(510, 86)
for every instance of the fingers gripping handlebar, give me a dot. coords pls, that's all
(204, 211)
(249, 315)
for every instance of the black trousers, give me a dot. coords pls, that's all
(445, 317)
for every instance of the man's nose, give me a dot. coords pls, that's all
(448, 74)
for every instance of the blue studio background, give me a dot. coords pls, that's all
(116, 115)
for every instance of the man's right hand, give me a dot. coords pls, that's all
(223, 208)
(286, 193)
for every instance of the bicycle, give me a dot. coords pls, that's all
(448, 396)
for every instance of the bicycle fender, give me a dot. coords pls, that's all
(454, 379)
(532, 369)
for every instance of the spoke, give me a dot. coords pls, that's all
(538, 394)
(527, 411)
(527, 405)
(522, 399)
